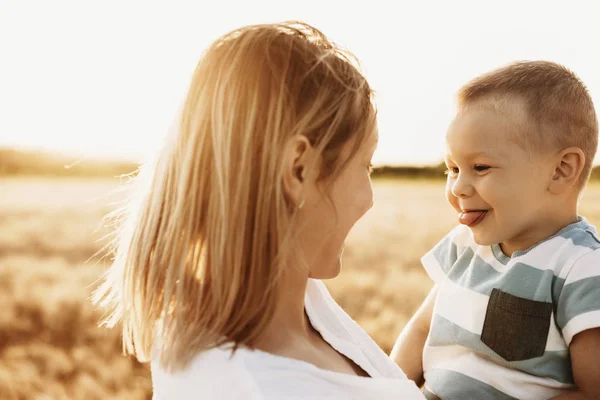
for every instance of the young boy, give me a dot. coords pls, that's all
(515, 310)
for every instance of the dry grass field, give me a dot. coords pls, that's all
(50, 346)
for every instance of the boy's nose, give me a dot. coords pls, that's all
(462, 188)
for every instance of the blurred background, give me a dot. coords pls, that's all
(88, 89)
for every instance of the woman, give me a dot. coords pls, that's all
(217, 276)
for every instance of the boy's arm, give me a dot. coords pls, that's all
(578, 316)
(408, 350)
(585, 356)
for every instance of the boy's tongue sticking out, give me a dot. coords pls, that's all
(471, 217)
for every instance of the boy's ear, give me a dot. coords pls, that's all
(567, 170)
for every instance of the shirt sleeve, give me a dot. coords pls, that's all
(439, 260)
(578, 306)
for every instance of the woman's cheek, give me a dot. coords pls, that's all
(366, 197)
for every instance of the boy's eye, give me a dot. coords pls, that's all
(452, 171)
(482, 168)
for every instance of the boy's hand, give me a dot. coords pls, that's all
(408, 350)
(585, 359)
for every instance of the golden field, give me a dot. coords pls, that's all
(50, 345)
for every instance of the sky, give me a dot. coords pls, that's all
(105, 78)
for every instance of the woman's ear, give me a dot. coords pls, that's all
(297, 158)
(567, 170)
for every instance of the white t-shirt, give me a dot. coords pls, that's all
(257, 375)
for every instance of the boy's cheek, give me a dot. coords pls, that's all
(452, 200)
(449, 195)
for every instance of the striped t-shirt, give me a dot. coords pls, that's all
(502, 326)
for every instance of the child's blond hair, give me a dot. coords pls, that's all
(560, 108)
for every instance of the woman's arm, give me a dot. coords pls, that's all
(408, 350)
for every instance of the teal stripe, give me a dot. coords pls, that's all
(578, 234)
(578, 298)
(521, 280)
(446, 253)
(584, 236)
(471, 271)
(463, 263)
(429, 395)
(581, 233)
(450, 385)
(553, 364)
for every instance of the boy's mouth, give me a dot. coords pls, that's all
(471, 217)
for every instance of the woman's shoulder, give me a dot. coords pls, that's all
(217, 373)
(331, 320)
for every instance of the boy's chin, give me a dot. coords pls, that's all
(484, 241)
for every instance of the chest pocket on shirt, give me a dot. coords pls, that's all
(516, 328)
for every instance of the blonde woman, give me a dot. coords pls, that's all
(218, 269)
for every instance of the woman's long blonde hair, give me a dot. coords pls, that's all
(200, 249)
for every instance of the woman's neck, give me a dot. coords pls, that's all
(290, 324)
